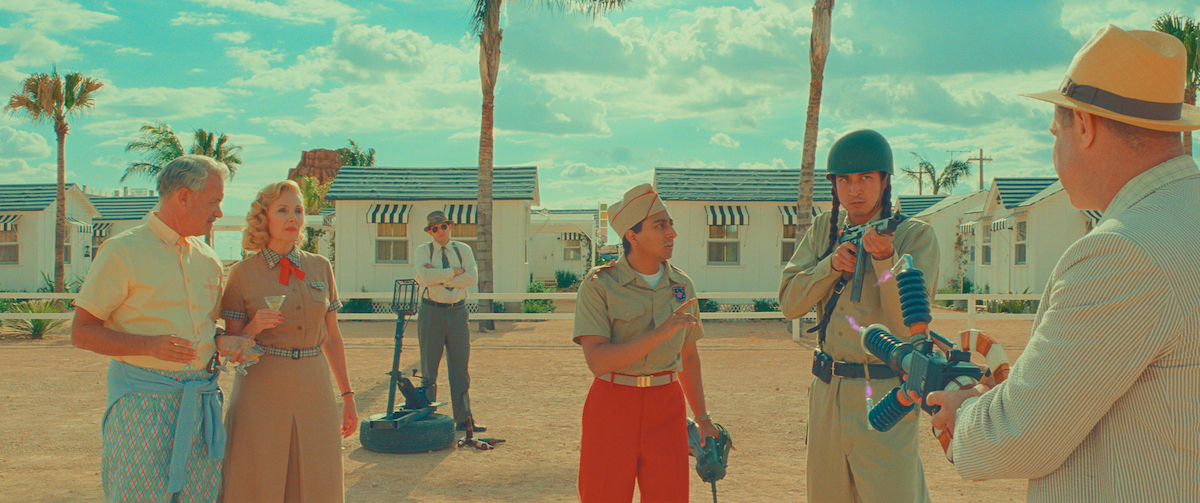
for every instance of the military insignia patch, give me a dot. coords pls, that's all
(680, 295)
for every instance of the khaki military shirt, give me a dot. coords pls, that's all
(808, 281)
(616, 303)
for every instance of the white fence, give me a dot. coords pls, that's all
(970, 315)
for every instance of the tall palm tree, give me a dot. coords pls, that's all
(312, 191)
(818, 49)
(950, 176)
(52, 97)
(1187, 30)
(352, 155)
(160, 145)
(485, 23)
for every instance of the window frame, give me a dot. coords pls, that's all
(985, 250)
(1020, 243)
(724, 242)
(15, 244)
(403, 240)
(785, 242)
(577, 248)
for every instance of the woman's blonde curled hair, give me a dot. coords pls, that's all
(256, 236)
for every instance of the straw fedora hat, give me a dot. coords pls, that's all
(1135, 77)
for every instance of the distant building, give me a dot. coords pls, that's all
(564, 240)
(912, 205)
(736, 226)
(381, 219)
(954, 246)
(27, 226)
(118, 214)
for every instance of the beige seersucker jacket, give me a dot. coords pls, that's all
(1104, 404)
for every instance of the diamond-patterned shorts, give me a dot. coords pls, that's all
(137, 449)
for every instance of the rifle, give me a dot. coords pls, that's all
(854, 235)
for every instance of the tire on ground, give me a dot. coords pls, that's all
(431, 433)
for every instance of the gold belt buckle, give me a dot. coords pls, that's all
(643, 381)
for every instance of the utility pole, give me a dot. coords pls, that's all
(981, 158)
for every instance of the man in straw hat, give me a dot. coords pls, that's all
(638, 324)
(1104, 403)
(445, 270)
(847, 461)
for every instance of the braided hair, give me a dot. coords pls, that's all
(834, 232)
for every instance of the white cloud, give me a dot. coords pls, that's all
(724, 140)
(55, 16)
(296, 11)
(15, 144)
(14, 171)
(132, 50)
(582, 170)
(775, 164)
(237, 37)
(199, 19)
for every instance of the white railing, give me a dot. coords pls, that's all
(386, 297)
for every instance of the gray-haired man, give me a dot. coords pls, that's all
(150, 302)
(445, 269)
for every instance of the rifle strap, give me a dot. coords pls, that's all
(823, 323)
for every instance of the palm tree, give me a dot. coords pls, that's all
(352, 155)
(160, 145)
(313, 193)
(818, 49)
(485, 23)
(1187, 30)
(51, 97)
(951, 175)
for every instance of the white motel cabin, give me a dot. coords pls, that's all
(563, 240)
(381, 215)
(27, 218)
(736, 226)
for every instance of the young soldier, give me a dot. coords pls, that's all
(638, 324)
(847, 461)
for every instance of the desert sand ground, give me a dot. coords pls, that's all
(528, 385)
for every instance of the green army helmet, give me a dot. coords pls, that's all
(858, 152)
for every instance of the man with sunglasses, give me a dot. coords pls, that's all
(445, 270)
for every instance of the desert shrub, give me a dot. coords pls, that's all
(564, 278)
(708, 306)
(537, 305)
(765, 305)
(36, 329)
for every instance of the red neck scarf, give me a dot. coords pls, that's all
(285, 268)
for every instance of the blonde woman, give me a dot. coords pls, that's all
(282, 421)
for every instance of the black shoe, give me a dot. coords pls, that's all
(479, 428)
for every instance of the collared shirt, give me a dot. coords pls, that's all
(808, 281)
(614, 302)
(149, 280)
(1104, 403)
(438, 283)
(306, 304)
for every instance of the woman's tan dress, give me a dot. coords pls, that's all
(284, 438)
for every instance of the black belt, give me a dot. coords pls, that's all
(825, 367)
(442, 304)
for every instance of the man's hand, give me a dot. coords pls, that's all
(170, 348)
(263, 319)
(678, 319)
(950, 401)
(707, 431)
(232, 346)
(845, 257)
(878, 245)
(458, 271)
(429, 266)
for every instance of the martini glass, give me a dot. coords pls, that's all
(275, 301)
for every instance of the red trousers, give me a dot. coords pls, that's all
(629, 434)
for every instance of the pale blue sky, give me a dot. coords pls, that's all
(596, 105)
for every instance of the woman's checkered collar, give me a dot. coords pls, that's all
(272, 258)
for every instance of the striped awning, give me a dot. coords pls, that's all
(727, 215)
(968, 227)
(9, 222)
(1092, 215)
(573, 236)
(461, 213)
(1001, 224)
(388, 214)
(789, 213)
(80, 227)
(100, 230)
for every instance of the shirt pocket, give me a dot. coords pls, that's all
(319, 290)
(629, 318)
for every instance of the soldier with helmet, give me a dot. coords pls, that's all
(846, 460)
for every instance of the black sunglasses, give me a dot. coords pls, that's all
(443, 227)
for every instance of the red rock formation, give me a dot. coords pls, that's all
(322, 164)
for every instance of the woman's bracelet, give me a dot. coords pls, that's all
(347, 393)
(703, 417)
